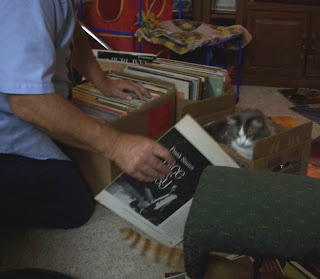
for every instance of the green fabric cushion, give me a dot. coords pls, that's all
(253, 213)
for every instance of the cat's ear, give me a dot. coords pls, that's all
(232, 119)
(257, 122)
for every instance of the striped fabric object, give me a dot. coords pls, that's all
(182, 35)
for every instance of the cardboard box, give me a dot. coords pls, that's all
(211, 108)
(288, 151)
(207, 109)
(151, 120)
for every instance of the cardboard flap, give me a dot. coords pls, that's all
(216, 116)
(201, 108)
(282, 140)
(133, 123)
(151, 119)
(157, 102)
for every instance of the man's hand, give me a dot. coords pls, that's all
(138, 156)
(117, 88)
(142, 158)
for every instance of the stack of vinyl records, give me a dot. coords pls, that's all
(192, 81)
(107, 108)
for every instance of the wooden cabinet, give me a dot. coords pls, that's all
(285, 50)
(192, 10)
(279, 44)
(201, 10)
(219, 16)
(313, 55)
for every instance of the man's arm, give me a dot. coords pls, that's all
(138, 156)
(86, 64)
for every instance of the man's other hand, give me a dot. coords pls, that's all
(142, 158)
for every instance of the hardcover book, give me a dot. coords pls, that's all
(160, 208)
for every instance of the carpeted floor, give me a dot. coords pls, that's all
(96, 251)
(272, 103)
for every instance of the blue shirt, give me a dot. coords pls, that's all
(34, 55)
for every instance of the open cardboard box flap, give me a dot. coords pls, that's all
(203, 108)
(282, 140)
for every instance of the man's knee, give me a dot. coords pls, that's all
(78, 214)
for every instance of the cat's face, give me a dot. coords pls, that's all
(243, 132)
(244, 129)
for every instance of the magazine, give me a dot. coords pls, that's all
(160, 208)
(302, 96)
(311, 111)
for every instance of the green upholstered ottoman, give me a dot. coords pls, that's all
(254, 213)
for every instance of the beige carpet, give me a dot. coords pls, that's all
(96, 251)
(272, 103)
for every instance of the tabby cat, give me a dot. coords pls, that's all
(218, 266)
(241, 130)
